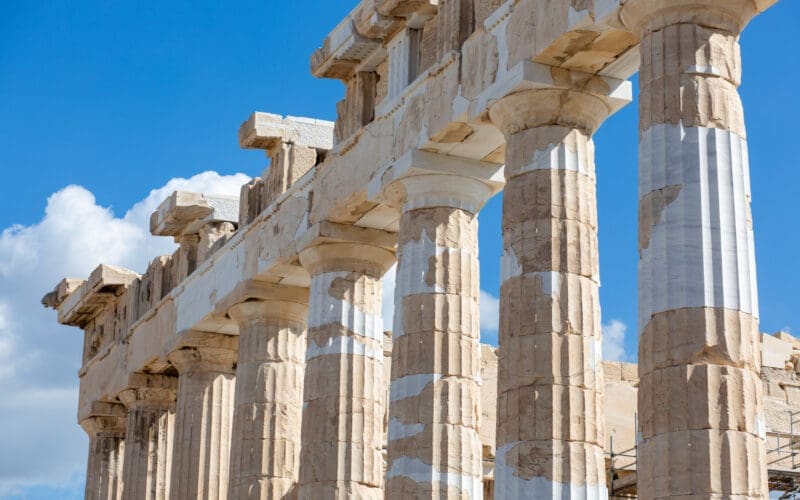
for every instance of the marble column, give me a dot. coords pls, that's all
(150, 400)
(434, 450)
(265, 452)
(106, 453)
(700, 397)
(550, 427)
(203, 421)
(343, 420)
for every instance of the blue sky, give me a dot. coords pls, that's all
(123, 97)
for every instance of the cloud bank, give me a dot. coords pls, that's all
(39, 359)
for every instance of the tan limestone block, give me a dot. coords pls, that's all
(708, 463)
(536, 108)
(444, 353)
(347, 375)
(453, 401)
(700, 335)
(550, 412)
(548, 358)
(551, 194)
(694, 397)
(570, 308)
(441, 313)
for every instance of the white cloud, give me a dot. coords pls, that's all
(490, 318)
(614, 341)
(39, 359)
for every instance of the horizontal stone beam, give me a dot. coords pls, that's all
(267, 131)
(185, 213)
(88, 299)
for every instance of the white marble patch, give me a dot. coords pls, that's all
(420, 472)
(508, 485)
(343, 345)
(326, 310)
(701, 251)
(412, 385)
(399, 430)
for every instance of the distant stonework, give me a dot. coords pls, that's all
(253, 363)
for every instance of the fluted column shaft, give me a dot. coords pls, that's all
(434, 450)
(550, 427)
(343, 420)
(106, 455)
(149, 437)
(203, 422)
(700, 397)
(265, 452)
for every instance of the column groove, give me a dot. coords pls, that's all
(265, 452)
(203, 423)
(700, 396)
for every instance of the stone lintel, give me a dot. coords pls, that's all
(60, 293)
(345, 50)
(529, 75)
(422, 163)
(252, 290)
(268, 131)
(184, 213)
(103, 285)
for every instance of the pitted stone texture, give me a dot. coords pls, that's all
(343, 418)
(434, 449)
(703, 396)
(265, 449)
(550, 427)
(706, 463)
(700, 399)
(150, 436)
(690, 336)
(203, 423)
(104, 479)
(550, 469)
(690, 75)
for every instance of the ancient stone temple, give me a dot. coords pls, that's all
(253, 363)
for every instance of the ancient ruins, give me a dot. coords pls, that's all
(253, 363)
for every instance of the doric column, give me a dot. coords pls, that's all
(265, 451)
(150, 400)
(106, 430)
(700, 398)
(550, 425)
(434, 450)
(344, 388)
(203, 420)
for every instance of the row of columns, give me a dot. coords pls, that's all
(307, 414)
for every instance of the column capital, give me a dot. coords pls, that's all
(641, 16)
(330, 246)
(254, 299)
(107, 420)
(348, 256)
(546, 107)
(538, 95)
(205, 359)
(420, 179)
(274, 308)
(149, 392)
